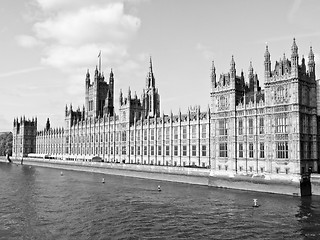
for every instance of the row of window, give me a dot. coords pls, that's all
(281, 125)
(282, 150)
(122, 135)
(153, 149)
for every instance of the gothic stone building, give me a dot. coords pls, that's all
(247, 130)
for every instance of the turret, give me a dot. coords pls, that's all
(213, 76)
(251, 77)
(87, 78)
(120, 98)
(311, 65)
(48, 125)
(96, 75)
(267, 64)
(232, 69)
(294, 58)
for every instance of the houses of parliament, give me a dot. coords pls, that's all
(272, 132)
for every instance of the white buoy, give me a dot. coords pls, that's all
(159, 188)
(255, 203)
(61, 173)
(103, 180)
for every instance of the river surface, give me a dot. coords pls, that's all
(43, 203)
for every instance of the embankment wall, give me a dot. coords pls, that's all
(198, 176)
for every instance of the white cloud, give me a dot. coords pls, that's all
(27, 41)
(91, 24)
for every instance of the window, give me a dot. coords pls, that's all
(167, 151)
(281, 123)
(124, 150)
(145, 150)
(240, 127)
(152, 150)
(132, 150)
(204, 151)
(111, 150)
(261, 125)
(124, 136)
(240, 150)
(250, 126)
(145, 134)
(194, 150)
(117, 150)
(250, 150)
(111, 137)
(194, 131)
(167, 133)
(159, 150)
(222, 127)
(282, 150)
(175, 133)
(175, 150)
(151, 134)
(184, 150)
(131, 135)
(184, 132)
(138, 135)
(261, 150)
(204, 131)
(223, 150)
(159, 134)
(138, 150)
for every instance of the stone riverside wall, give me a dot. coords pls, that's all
(198, 176)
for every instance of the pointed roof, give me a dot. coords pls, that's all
(294, 47)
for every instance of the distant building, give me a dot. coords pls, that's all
(247, 130)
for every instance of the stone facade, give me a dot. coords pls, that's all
(270, 132)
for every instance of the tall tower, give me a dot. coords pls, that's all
(24, 137)
(151, 97)
(99, 99)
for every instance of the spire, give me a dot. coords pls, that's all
(232, 68)
(129, 94)
(48, 124)
(294, 48)
(311, 55)
(311, 64)
(111, 77)
(121, 97)
(213, 75)
(232, 64)
(250, 69)
(150, 81)
(267, 63)
(266, 53)
(150, 67)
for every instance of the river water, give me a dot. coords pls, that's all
(42, 203)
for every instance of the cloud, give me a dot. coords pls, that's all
(20, 71)
(90, 24)
(27, 41)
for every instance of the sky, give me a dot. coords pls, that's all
(47, 46)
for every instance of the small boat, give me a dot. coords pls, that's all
(159, 188)
(103, 180)
(255, 203)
